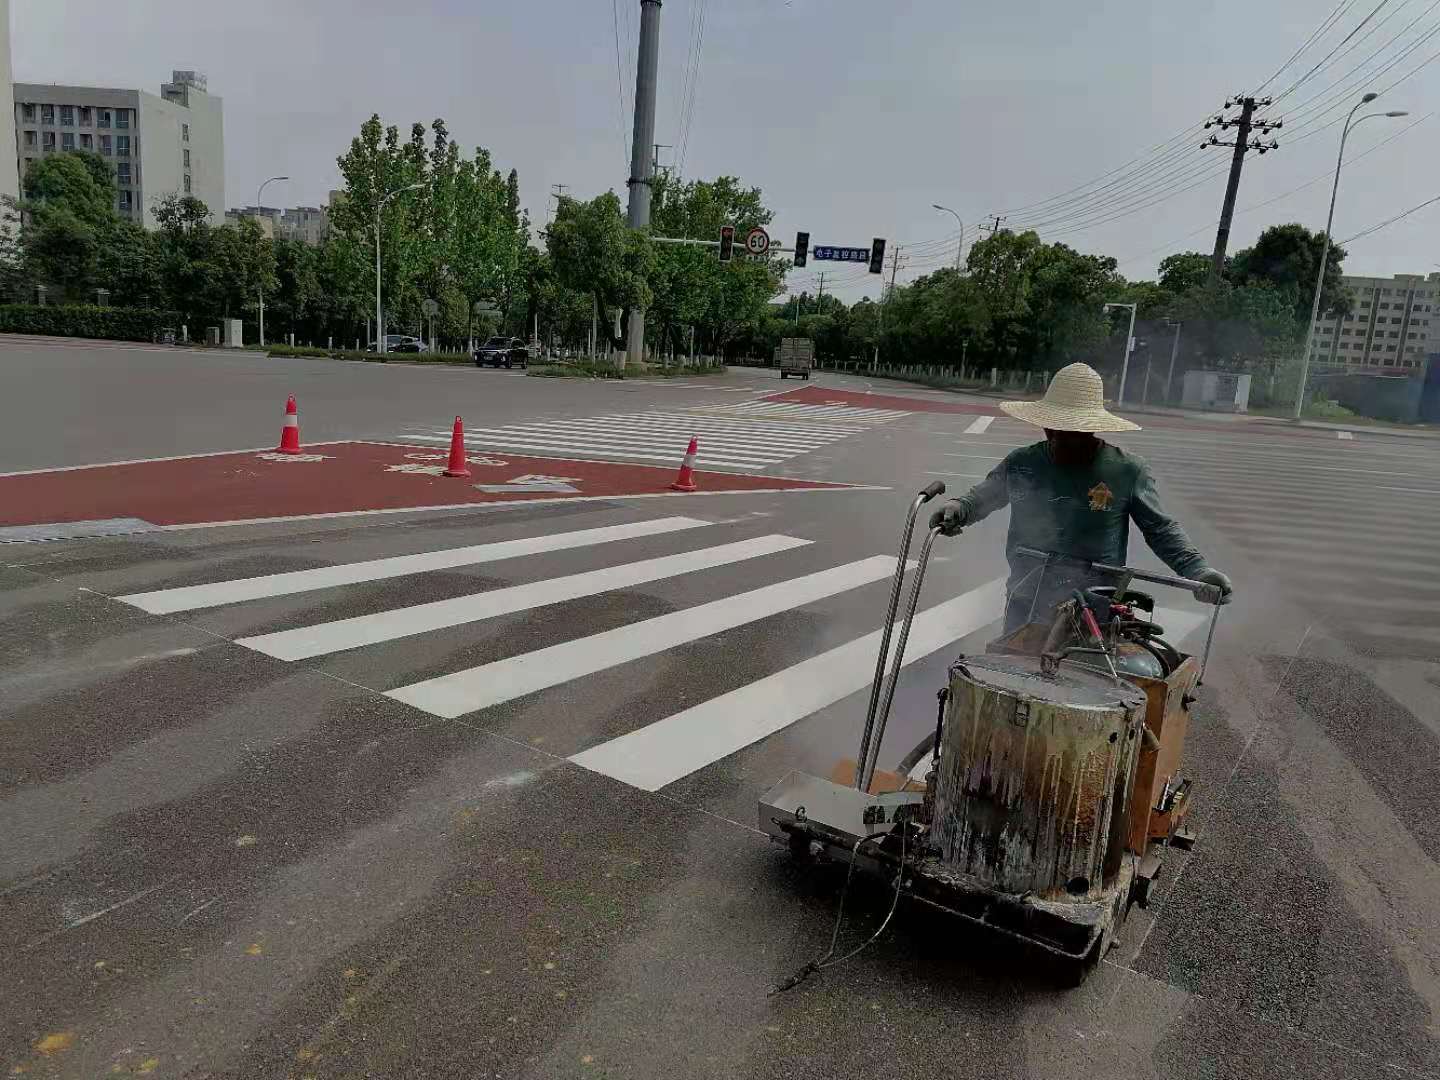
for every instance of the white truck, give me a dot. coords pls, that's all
(795, 356)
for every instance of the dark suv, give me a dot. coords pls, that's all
(502, 352)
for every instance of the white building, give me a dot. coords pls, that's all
(159, 145)
(1389, 325)
(308, 224)
(9, 172)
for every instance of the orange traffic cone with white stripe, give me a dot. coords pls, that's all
(457, 465)
(290, 433)
(686, 480)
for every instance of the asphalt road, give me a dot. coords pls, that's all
(219, 861)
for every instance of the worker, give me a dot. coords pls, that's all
(1071, 500)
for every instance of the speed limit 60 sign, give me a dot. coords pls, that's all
(757, 241)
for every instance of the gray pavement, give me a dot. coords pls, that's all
(217, 863)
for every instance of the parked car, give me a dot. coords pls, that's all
(404, 343)
(502, 352)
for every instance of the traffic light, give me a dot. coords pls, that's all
(727, 242)
(802, 248)
(877, 256)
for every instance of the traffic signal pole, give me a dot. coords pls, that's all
(641, 163)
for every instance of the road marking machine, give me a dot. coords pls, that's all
(1053, 787)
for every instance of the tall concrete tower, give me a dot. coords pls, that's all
(9, 153)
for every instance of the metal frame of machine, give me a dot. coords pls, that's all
(1123, 732)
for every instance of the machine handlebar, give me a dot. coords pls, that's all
(1201, 590)
(937, 488)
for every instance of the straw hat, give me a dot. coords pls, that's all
(1074, 401)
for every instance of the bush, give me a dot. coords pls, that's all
(290, 350)
(85, 321)
(404, 358)
(578, 370)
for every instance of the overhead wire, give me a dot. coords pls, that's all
(1327, 175)
(1170, 174)
(1309, 74)
(1315, 34)
(1389, 221)
(620, 80)
(694, 82)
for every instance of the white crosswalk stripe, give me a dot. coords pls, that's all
(670, 749)
(194, 597)
(789, 410)
(330, 637)
(745, 435)
(659, 753)
(505, 680)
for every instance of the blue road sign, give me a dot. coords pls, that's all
(840, 254)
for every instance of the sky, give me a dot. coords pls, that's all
(854, 117)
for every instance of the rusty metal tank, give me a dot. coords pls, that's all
(1033, 783)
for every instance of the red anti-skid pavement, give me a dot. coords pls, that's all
(242, 486)
(815, 395)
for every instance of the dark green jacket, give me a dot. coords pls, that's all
(1081, 513)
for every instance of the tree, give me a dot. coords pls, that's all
(1287, 257)
(594, 252)
(1184, 270)
(79, 181)
(690, 286)
(61, 250)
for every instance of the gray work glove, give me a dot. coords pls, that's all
(949, 519)
(1220, 581)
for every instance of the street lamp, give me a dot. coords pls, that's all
(1129, 344)
(959, 250)
(379, 314)
(260, 288)
(1325, 248)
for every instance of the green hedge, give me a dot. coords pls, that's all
(85, 321)
(290, 350)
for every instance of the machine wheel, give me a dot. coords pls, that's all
(800, 848)
(1071, 974)
(507, 365)
(782, 374)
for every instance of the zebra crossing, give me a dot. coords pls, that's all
(652, 755)
(745, 435)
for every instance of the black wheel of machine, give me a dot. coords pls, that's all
(507, 365)
(800, 848)
(782, 374)
(1071, 974)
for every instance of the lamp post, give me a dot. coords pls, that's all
(1129, 345)
(260, 288)
(379, 314)
(961, 248)
(1350, 122)
(1174, 351)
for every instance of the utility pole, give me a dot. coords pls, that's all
(821, 294)
(557, 192)
(642, 163)
(1243, 124)
(996, 227)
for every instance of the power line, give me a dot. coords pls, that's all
(1360, 26)
(1315, 34)
(703, 11)
(1327, 175)
(620, 80)
(1389, 221)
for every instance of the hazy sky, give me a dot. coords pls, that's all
(853, 116)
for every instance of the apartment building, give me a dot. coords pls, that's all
(1389, 327)
(173, 142)
(308, 224)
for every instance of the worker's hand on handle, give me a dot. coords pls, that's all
(1220, 581)
(949, 519)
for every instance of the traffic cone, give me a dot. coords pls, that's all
(457, 466)
(686, 480)
(290, 433)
